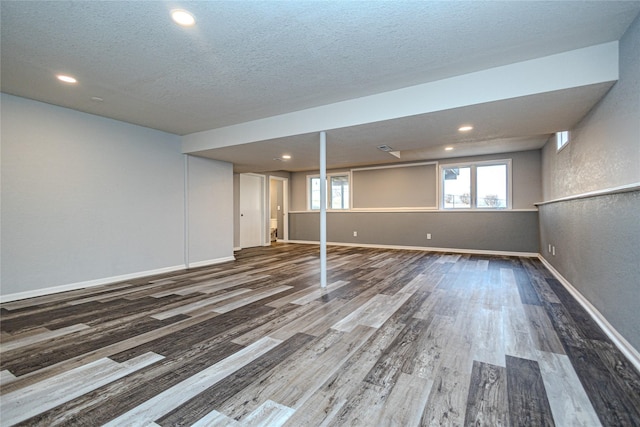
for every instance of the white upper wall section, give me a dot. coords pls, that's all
(581, 67)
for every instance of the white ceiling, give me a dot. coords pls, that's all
(249, 60)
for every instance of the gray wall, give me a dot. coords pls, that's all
(398, 187)
(210, 209)
(492, 231)
(596, 239)
(85, 198)
(509, 231)
(526, 167)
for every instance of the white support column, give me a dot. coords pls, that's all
(323, 209)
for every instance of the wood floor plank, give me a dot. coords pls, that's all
(518, 341)
(6, 377)
(25, 403)
(216, 395)
(541, 329)
(318, 293)
(527, 292)
(188, 308)
(528, 401)
(164, 402)
(75, 362)
(569, 402)
(23, 364)
(612, 398)
(326, 354)
(214, 418)
(43, 336)
(325, 404)
(489, 337)
(447, 400)
(588, 327)
(126, 393)
(487, 401)
(374, 313)
(270, 414)
(399, 353)
(253, 297)
(406, 401)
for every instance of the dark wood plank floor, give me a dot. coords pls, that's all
(398, 338)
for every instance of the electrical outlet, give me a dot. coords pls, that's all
(428, 236)
(553, 250)
(355, 234)
(549, 247)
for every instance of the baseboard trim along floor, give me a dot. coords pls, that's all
(623, 345)
(421, 248)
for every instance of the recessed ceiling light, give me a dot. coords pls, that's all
(182, 17)
(286, 156)
(448, 148)
(66, 79)
(465, 128)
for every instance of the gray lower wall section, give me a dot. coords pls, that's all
(510, 231)
(597, 243)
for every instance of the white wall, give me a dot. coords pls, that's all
(210, 185)
(87, 199)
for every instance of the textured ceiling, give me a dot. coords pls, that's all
(249, 60)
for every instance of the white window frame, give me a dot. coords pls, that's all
(329, 175)
(474, 185)
(562, 140)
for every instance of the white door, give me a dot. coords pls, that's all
(251, 216)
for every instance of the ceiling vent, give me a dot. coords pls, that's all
(385, 148)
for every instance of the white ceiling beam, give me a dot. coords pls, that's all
(581, 67)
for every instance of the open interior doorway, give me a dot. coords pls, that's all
(278, 209)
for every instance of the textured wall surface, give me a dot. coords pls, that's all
(596, 239)
(84, 197)
(491, 231)
(210, 209)
(604, 150)
(597, 244)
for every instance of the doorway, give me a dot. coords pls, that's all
(252, 230)
(278, 208)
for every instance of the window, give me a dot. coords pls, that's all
(483, 185)
(339, 188)
(337, 191)
(457, 188)
(562, 139)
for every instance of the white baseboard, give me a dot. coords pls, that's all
(237, 249)
(623, 345)
(106, 280)
(422, 248)
(86, 284)
(211, 262)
